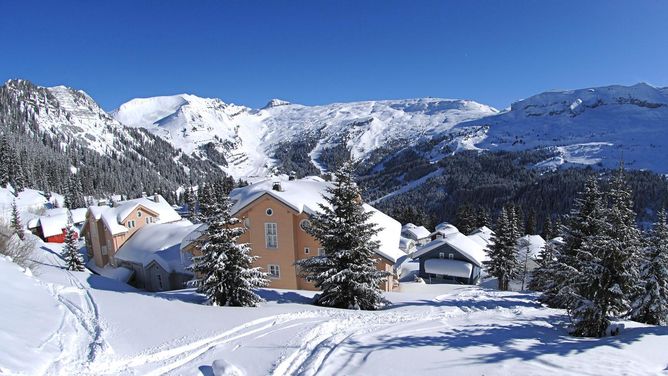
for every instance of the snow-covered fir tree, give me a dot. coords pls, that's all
(191, 203)
(583, 221)
(502, 252)
(608, 265)
(71, 254)
(17, 227)
(542, 275)
(650, 303)
(5, 161)
(346, 273)
(224, 271)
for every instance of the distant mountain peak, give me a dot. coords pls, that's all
(276, 103)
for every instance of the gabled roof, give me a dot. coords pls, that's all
(482, 236)
(444, 229)
(467, 247)
(531, 243)
(113, 216)
(419, 232)
(160, 243)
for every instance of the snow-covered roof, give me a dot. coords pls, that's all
(482, 236)
(454, 268)
(113, 216)
(193, 235)
(406, 244)
(467, 247)
(302, 195)
(305, 196)
(415, 232)
(157, 242)
(55, 220)
(444, 229)
(532, 243)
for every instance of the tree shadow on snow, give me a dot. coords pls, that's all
(283, 297)
(470, 303)
(520, 339)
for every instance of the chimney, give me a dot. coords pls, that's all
(276, 186)
(156, 197)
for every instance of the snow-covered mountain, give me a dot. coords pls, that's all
(585, 126)
(68, 113)
(249, 139)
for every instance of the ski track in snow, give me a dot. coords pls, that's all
(322, 342)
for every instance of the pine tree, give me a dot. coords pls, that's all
(548, 231)
(191, 202)
(224, 271)
(542, 275)
(16, 222)
(608, 265)
(71, 253)
(5, 161)
(346, 274)
(482, 218)
(18, 177)
(530, 223)
(583, 221)
(502, 251)
(650, 304)
(465, 221)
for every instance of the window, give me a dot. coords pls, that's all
(271, 235)
(274, 271)
(159, 282)
(304, 224)
(307, 250)
(131, 224)
(148, 220)
(247, 222)
(103, 249)
(441, 255)
(321, 252)
(138, 214)
(269, 212)
(451, 256)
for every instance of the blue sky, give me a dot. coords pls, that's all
(315, 52)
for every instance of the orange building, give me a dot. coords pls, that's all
(276, 213)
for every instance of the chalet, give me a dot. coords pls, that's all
(276, 214)
(142, 235)
(450, 258)
(419, 234)
(52, 225)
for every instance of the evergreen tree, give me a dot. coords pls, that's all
(542, 275)
(482, 218)
(465, 221)
(224, 271)
(503, 252)
(5, 161)
(206, 202)
(71, 253)
(346, 273)
(191, 203)
(16, 222)
(548, 231)
(651, 302)
(608, 265)
(583, 221)
(530, 223)
(17, 175)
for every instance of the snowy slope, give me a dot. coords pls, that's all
(248, 138)
(61, 322)
(586, 126)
